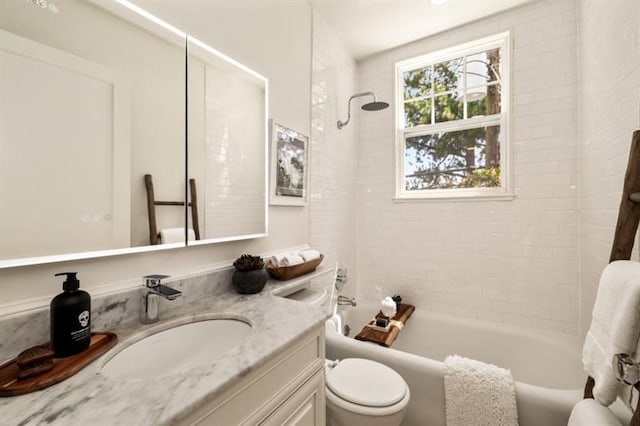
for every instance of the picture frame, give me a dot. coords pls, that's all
(289, 175)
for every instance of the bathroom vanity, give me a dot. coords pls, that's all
(273, 375)
(287, 390)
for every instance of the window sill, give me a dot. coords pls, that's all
(449, 195)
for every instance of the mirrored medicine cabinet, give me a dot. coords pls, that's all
(97, 94)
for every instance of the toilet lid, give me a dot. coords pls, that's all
(366, 382)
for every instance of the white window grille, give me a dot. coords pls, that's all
(452, 120)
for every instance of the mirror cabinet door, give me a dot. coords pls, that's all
(227, 143)
(92, 100)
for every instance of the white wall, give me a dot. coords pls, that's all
(334, 155)
(514, 262)
(609, 58)
(234, 150)
(282, 53)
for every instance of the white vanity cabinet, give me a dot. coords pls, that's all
(287, 390)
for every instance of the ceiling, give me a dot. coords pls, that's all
(368, 27)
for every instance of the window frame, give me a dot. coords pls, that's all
(504, 191)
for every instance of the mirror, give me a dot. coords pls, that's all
(93, 99)
(227, 144)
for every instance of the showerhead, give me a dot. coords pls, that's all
(371, 106)
(375, 106)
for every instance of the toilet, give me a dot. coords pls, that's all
(361, 392)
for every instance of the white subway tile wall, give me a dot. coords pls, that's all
(514, 262)
(233, 190)
(609, 51)
(334, 158)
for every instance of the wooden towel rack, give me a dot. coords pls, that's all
(154, 237)
(626, 228)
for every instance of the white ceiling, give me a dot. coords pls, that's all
(372, 26)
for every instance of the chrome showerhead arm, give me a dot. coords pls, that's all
(341, 124)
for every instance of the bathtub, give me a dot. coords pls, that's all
(547, 367)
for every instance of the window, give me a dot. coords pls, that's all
(452, 122)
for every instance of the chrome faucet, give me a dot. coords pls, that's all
(346, 301)
(153, 289)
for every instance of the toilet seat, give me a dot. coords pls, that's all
(366, 383)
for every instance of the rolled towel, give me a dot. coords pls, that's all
(615, 326)
(175, 235)
(478, 394)
(308, 255)
(286, 259)
(172, 235)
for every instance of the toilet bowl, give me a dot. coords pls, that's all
(361, 392)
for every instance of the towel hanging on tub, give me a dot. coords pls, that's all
(478, 394)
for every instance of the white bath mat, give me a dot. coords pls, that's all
(478, 394)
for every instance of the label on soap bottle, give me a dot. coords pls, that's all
(84, 319)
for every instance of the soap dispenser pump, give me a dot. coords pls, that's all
(70, 318)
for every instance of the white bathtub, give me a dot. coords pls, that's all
(547, 367)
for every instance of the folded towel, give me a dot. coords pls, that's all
(308, 255)
(615, 326)
(286, 259)
(478, 394)
(386, 338)
(176, 235)
(590, 412)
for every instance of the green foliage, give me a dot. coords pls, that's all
(482, 178)
(442, 160)
(422, 84)
(247, 262)
(463, 158)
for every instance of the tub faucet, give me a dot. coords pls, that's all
(346, 301)
(153, 289)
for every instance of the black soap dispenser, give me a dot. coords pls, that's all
(70, 318)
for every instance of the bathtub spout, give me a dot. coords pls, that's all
(346, 301)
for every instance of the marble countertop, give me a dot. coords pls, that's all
(90, 398)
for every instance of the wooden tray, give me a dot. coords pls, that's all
(284, 273)
(386, 338)
(63, 368)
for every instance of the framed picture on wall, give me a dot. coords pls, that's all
(289, 183)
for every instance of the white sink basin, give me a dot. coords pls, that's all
(177, 349)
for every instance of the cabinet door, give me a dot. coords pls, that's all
(306, 407)
(257, 396)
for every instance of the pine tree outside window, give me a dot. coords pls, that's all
(452, 122)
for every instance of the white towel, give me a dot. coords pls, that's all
(615, 326)
(286, 259)
(589, 412)
(308, 255)
(478, 394)
(175, 235)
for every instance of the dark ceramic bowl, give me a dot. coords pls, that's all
(249, 282)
